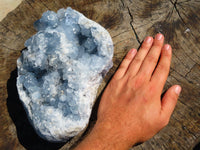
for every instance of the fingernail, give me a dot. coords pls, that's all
(167, 47)
(148, 39)
(178, 90)
(159, 36)
(133, 52)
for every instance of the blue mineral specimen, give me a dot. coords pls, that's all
(60, 71)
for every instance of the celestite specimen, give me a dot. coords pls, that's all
(60, 71)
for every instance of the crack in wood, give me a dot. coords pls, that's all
(33, 14)
(179, 81)
(9, 48)
(185, 14)
(12, 31)
(122, 3)
(120, 33)
(63, 3)
(191, 59)
(120, 42)
(175, 7)
(131, 24)
(189, 71)
(183, 76)
(186, 67)
(27, 1)
(45, 5)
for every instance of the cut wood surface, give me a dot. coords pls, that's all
(128, 22)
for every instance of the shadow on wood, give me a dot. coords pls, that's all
(25, 132)
(197, 147)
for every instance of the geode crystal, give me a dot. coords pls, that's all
(60, 71)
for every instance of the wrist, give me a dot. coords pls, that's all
(113, 136)
(104, 136)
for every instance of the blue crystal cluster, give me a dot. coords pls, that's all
(60, 71)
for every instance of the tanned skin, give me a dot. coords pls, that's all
(131, 109)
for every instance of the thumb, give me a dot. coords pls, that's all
(169, 100)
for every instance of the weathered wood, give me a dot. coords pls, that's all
(128, 22)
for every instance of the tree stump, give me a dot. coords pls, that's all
(128, 22)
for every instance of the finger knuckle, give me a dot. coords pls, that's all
(152, 89)
(117, 75)
(113, 84)
(128, 57)
(152, 59)
(123, 65)
(136, 82)
(162, 67)
(145, 46)
(137, 60)
(157, 45)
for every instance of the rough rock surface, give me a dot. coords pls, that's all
(60, 71)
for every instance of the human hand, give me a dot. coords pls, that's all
(131, 109)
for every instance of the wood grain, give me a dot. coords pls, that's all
(128, 22)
